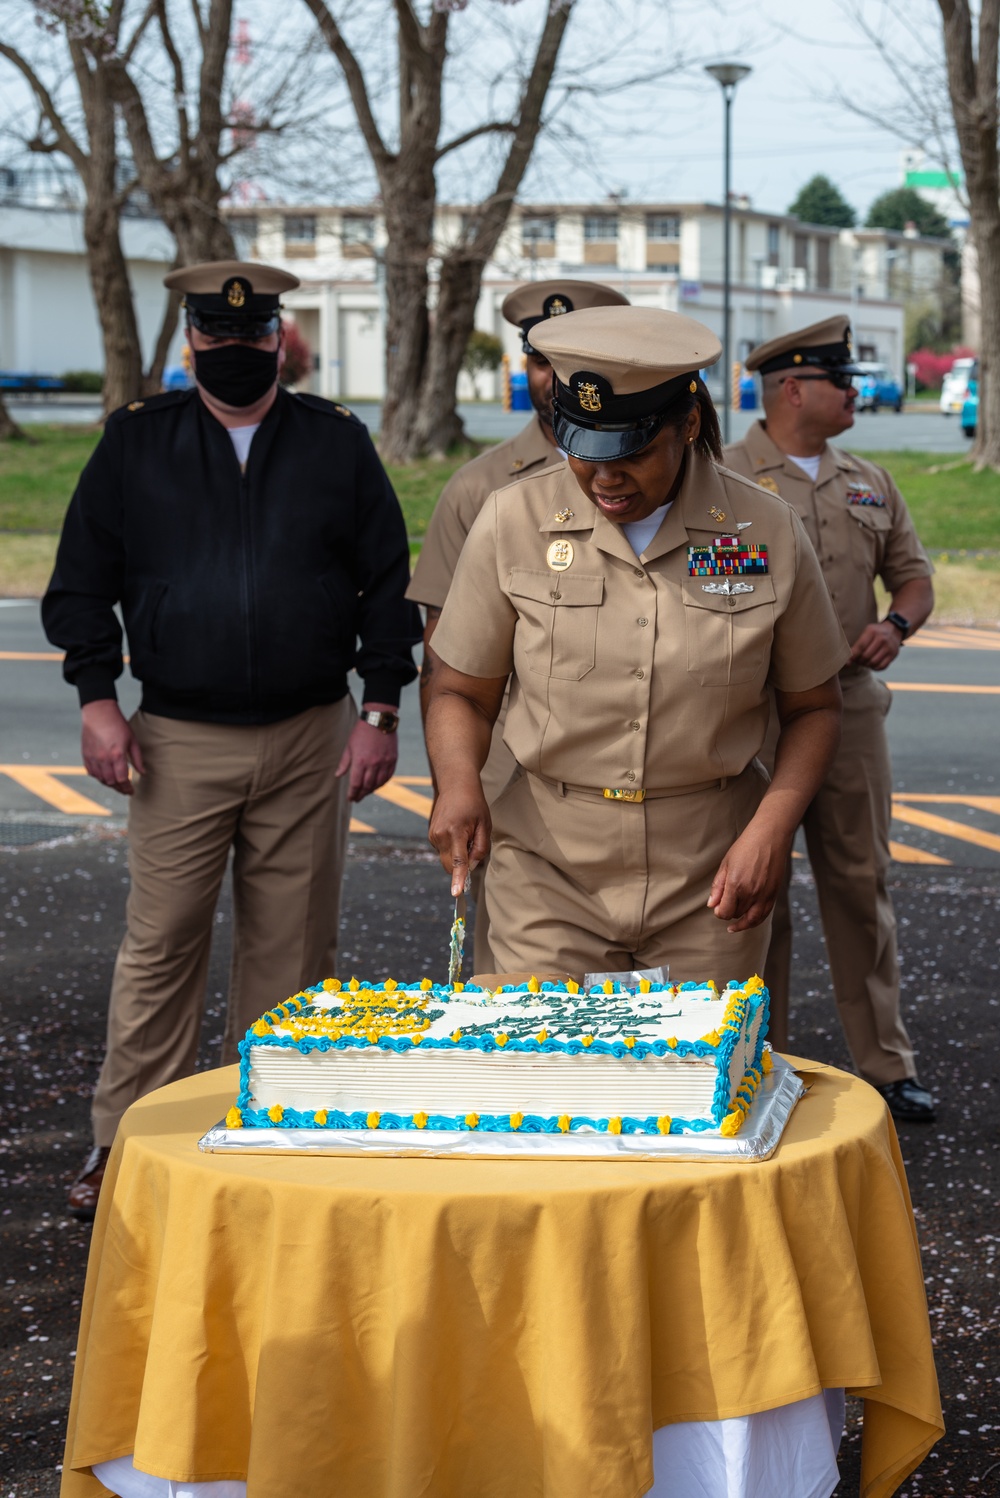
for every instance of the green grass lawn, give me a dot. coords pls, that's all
(38, 479)
(954, 508)
(957, 512)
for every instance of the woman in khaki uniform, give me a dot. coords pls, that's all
(643, 600)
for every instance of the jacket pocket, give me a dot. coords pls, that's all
(557, 621)
(870, 527)
(729, 636)
(144, 620)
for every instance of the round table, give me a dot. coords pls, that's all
(387, 1327)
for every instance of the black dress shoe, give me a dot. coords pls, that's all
(83, 1194)
(908, 1101)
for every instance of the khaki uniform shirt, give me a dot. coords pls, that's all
(628, 672)
(855, 541)
(461, 500)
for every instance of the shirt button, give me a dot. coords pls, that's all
(630, 775)
(635, 725)
(555, 595)
(638, 572)
(642, 623)
(640, 673)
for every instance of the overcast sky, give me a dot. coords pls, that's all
(660, 141)
(785, 125)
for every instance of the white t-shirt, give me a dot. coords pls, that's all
(241, 438)
(639, 533)
(808, 465)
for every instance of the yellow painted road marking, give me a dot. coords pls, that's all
(357, 826)
(940, 686)
(401, 795)
(982, 803)
(903, 853)
(903, 813)
(41, 782)
(31, 655)
(955, 637)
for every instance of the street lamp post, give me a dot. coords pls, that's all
(727, 75)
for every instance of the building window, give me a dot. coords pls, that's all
(823, 264)
(801, 252)
(663, 226)
(244, 227)
(773, 244)
(538, 229)
(600, 226)
(300, 228)
(359, 229)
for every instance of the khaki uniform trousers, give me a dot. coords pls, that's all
(847, 835)
(579, 884)
(270, 793)
(499, 767)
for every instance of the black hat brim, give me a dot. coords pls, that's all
(601, 444)
(228, 325)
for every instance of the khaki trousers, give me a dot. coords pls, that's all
(499, 767)
(578, 884)
(270, 793)
(847, 835)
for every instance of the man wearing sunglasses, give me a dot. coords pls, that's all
(858, 522)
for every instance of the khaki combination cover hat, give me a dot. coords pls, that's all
(232, 298)
(528, 305)
(823, 345)
(617, 372)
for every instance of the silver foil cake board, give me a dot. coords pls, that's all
(762, 1128)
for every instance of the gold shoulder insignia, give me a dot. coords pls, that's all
(343, 410)
(517, 465)
(767, 482)
(136, 405)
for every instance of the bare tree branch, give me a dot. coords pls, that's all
(66, 141)
(180, 82)
(495, 127)
(355, 79)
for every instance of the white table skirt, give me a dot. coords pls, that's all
(791, 1450)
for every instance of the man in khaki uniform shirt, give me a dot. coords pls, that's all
(464, 495)
(859, 524)
(640, 656)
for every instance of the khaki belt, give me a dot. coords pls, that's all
(608, 793)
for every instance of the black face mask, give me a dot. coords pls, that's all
(236, 374)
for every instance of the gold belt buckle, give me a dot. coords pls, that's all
(617, 795)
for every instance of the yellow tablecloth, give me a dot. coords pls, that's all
(382, 1328)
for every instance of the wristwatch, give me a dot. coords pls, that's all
(384, 722)
(900, 621)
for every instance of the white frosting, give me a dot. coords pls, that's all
(505, 1080)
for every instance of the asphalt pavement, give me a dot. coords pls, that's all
(63, 882)
(881, 431)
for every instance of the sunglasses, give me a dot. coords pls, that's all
(836, 377)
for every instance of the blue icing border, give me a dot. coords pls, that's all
(721, 1054)
(489, 1123)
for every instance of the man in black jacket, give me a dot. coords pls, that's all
(252, 539)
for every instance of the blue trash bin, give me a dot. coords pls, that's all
(748, 393)
(520, 400)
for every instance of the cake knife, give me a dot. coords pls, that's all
(456, 948)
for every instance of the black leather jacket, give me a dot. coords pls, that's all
(244, 595)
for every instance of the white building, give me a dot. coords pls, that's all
(48, 322)
(785, 274)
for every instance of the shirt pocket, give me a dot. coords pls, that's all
(729, 636)
(870, 527)
(556, 630)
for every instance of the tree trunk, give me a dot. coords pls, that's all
(986, 233)
(153, 378)
(438, 424)
(9, 429)
(407, 323)
(971, 57)
(112, 290)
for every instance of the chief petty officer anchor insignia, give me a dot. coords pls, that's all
(727, 557)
